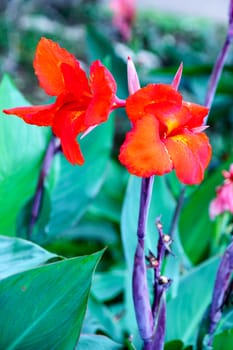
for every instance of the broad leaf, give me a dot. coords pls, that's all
(21, 150)
(51, 301)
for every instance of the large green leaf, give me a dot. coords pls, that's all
(185, 312)
(19, 255)
(76, 186)
(21, 150)
(43, 308)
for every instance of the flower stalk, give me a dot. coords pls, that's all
(219, 64)
(140, 286)
(220, 292)
(52, 149)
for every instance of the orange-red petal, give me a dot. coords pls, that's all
(103, 88)
(76, 82)
(47, 64)
(142, 152)
(190, 154)
(161, 98)
(64, 129)
(36, 115)
(197, 114)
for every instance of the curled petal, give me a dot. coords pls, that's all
(162, 97)
(142, 152)
(171, 120)
(197, 114)
(103, 88)
(190, 154)
(36, 115)
(47, 64)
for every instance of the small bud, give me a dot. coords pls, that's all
(163, 280)
(133, 81)
(167, 239)
(177, 77)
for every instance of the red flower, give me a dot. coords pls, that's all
(80, 103)
(166, 134)
(224, 196)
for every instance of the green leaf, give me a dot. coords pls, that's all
(109, 200)
(105, 319)
(21, 149)
(76, 185)
(108, 285)
(18, 255)
(52, 300)
(174, 345)
(185, 312)
(223, 341)
(202, 230)
(97, 342)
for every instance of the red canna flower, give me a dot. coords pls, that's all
(81, 102)
(224, 196)
(166, 134)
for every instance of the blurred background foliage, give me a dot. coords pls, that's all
(87, 208)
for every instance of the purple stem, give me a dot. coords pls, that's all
(140, 286)
(158, 341)
(220, 291)
(219, 64)
(52, 149)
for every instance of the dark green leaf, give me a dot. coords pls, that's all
(223, 341)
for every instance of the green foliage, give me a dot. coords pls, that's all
(51, 300)
(47, 300)
(22, 148)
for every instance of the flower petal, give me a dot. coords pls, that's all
(190, 154)
(223, 201)
(103, 87)
(161, 97)
(76, 82)
(36, 115)
(142, 152)
(197, 114)
(66, 127)
(47, 64)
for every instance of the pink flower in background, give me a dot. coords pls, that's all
(124, 12)
(224, 195)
